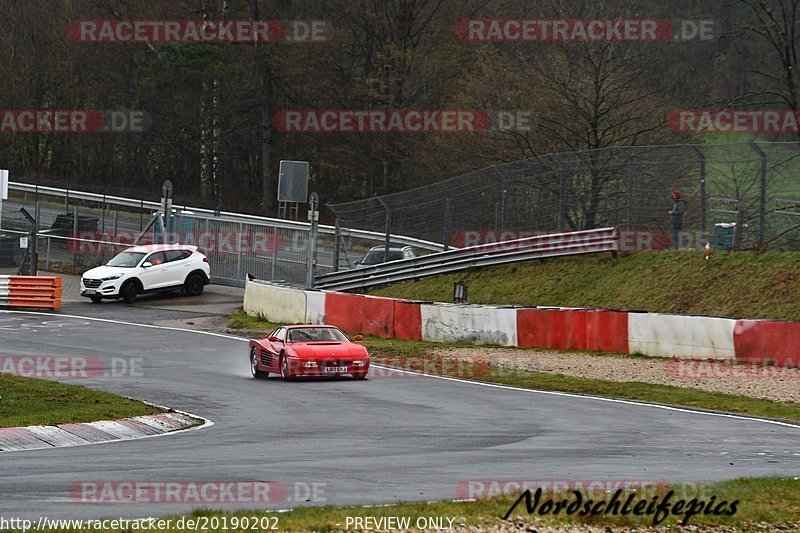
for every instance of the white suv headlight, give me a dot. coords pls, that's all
(115, 276)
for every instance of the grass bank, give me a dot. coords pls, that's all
(740, 285)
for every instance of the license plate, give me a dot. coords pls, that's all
(91, 291)
(335, 369)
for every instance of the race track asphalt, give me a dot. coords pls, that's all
(375, 441)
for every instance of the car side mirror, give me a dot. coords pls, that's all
(357, 338)
(274, 339)
(147, 264)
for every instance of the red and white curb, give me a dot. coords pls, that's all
(65, 435)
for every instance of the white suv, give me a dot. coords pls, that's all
(151, 268)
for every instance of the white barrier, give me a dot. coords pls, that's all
(660, 335)
(315, 307)
(274, 303)
(468, 323)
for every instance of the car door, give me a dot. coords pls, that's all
(154, 276)
(272, 360)
(177, 267)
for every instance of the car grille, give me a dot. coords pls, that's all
(266, 358)
(92, 283)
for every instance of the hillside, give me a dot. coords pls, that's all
(740, 285)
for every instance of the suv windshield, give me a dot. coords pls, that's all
(126, 260)
(316, 335)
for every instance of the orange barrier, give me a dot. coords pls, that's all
(40, 292)
(553, 329)
(360, 314)
(767, 341)
(407, 321)
(607, 331)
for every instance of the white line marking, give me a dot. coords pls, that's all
(447, 378)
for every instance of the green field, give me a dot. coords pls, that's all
(739, 285)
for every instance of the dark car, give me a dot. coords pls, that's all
(377, 255)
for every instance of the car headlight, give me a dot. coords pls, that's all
(359, 363)
(109, 278)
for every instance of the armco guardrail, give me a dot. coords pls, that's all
(538, 247)
(224, 215)
(41, 292)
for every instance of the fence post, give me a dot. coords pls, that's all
(762, 205)
(703, 194)
(629, 171)
(239, 252)
(337, 228)
(562, 191)
(311, 259)
(446, 228)
(387, 229)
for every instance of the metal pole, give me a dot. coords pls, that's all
(239, 252)
(336, 242)
(387, 229)
(311, 258)
(274, 252)
(114, 234)
(75, 242)
(47, 258)
(503, 197)
(703, 195)
(762, 208)
(562, 191)
(446, 234)
(35, 244)
(629, 160)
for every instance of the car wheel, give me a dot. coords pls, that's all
(96, 299)
(359, 375)
(256, 373)
(129, 292)
(286, 374)
(194, 285)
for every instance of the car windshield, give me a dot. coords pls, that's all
(375, 257)
(316, 335)
(126, 260)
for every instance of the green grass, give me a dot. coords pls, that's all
(741, 285)
(765, 500)
(28, 402)
(416, 355)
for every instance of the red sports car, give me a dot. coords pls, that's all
(294, 351)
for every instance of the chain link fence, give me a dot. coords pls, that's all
(738, 196)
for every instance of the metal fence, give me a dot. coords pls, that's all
(738, 196)
(80, 230)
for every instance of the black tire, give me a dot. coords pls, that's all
(359, 375)
(254, 371)
(286, 374)
(194, 285)
(96, 299)
(129, 292)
